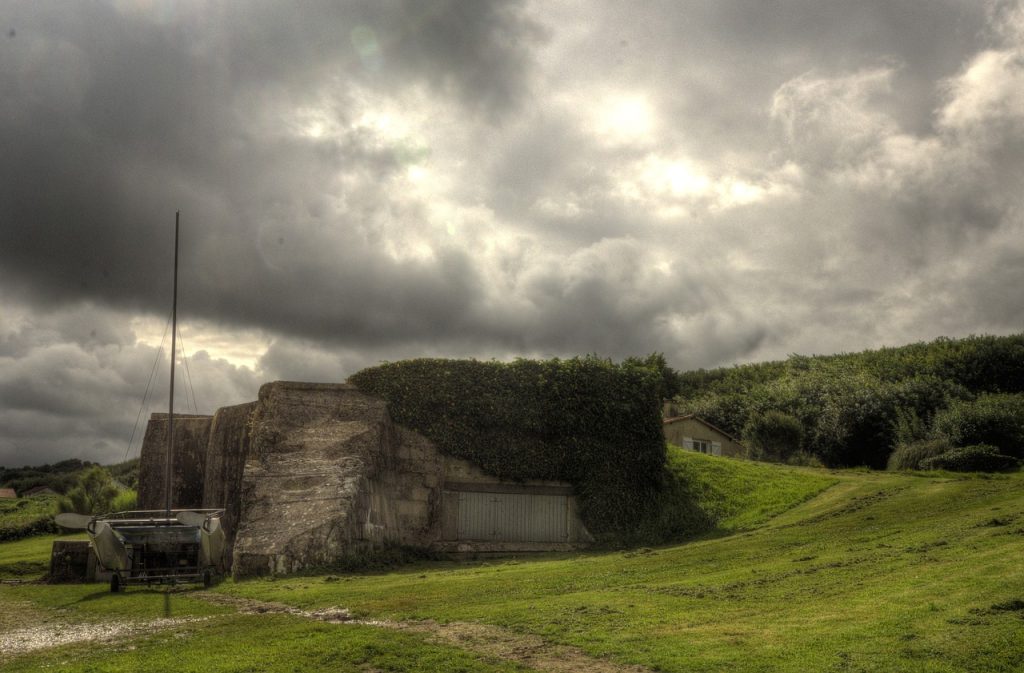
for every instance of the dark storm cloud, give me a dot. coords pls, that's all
(371, 181)
(111, 121)
(71, 385)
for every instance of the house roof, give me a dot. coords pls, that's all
(700, 420)
(8, 493)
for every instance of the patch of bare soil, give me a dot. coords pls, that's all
(55, 634)
(491, 641)
(529, 650)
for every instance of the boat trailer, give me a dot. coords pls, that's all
(157, 546)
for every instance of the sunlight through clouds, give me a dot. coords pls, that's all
(718, 181)
(624, 118)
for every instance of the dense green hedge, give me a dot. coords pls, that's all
(909, 455)
(585, 420)
(996, 419)
(977, 458)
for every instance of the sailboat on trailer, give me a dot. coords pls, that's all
(157, 546)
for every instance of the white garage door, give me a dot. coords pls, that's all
(513, 517)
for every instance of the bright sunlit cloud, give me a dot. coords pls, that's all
(239, 347)
(622, 118)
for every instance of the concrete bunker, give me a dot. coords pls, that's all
(312, 472)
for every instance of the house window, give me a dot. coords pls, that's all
(703, 446)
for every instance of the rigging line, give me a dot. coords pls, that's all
(149, 384)
(188, 375)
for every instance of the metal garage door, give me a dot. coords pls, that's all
(513, 517)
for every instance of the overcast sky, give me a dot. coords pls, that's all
(722, 181)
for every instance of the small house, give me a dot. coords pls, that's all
(694, 433)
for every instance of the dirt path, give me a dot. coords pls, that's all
(20, 641)
(491, 641)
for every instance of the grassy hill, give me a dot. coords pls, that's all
(879, 572)
(23, 517)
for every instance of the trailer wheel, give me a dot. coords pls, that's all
(115, 583)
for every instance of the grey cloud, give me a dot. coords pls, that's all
(892, 221)
(66, 392)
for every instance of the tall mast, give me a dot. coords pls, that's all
(174, 346)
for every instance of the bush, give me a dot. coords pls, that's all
(908, 456)
(997, 420)
(586, 420)
(977, 458)
(774, 435)
(804, 459)
(94, 493)
(124, 501)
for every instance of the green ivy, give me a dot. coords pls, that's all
(587, 420)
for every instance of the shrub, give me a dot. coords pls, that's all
(996, 419)
(774, 435)
(124, 501)
(94, 493)
(977, 458)
(586, 420)
(804, 459)
(908, 456)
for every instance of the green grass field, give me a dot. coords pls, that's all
(26, 516)
(877, 572)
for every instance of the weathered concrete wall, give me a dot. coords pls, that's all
(412, 488)
(306, 498)
(191, 436)
(313, 472)
(225, 464)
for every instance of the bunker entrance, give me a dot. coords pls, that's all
(513, 517)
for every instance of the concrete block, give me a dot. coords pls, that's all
(413, 508)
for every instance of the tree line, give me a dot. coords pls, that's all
(895, 407)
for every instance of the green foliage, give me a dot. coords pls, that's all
(670, 384)
(908, 456)
(977, 458)
(94, 493)
(910, 427)
(855, 408)
(996, 419)
(773, 435)
(126, 473)
(64, 475)
(804, 459)
(124, 501)
(586, 420)
(60, 476)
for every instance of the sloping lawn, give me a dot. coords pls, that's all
(879, 572)
(882, 572)
(29, 559)
(22, 517)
